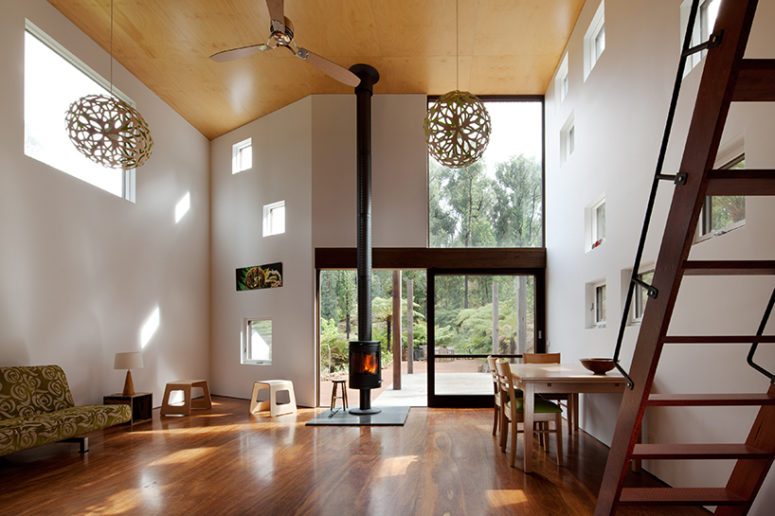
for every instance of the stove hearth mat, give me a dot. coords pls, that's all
(389, 416)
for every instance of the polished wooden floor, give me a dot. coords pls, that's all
(224, 461)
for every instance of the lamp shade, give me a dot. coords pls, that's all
(131, 360)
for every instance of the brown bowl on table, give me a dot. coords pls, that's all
(598, 365)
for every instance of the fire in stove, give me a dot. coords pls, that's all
(365, 372)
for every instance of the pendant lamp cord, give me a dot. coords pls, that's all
(457, 45)
(111, 47)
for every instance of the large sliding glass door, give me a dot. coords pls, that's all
(473, 314)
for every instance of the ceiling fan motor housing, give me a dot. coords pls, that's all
(282, 38)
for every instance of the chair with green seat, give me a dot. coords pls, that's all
(513, 413)
(491, 360)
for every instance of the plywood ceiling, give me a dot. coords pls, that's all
(505, 47)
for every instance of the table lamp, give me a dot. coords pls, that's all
(131, 360)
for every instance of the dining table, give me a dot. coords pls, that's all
(569, 378)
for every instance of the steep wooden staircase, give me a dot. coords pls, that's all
(727, 77)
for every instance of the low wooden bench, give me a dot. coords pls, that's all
(188, 403)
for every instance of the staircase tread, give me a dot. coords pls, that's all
(729, 267)
(722, 399)
(698, 451)
(680, 495)
(717, 339)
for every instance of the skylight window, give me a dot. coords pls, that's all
(53, 79)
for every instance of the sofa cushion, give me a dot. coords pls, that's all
(80, 420)
(16, 393)
(39, 429)
(51, 391)
(9, 435)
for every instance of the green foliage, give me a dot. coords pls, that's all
(467, 208)
(333, 347)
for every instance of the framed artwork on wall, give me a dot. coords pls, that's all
(260, 276)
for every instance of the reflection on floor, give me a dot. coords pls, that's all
(226, 461)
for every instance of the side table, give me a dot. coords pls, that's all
(141, 403)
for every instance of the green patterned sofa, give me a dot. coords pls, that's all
(36, 408)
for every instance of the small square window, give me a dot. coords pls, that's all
(257, 342)
(722, 213)
(594, 40)
(595, 223)
(640, 296)
(595, 295)
(274, 218)
(242, 156)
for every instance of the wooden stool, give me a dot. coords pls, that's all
(275, 387)
(343, 385)
(188, 403)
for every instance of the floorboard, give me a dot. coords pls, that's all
(225, 461)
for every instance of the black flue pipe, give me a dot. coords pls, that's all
(363, 92)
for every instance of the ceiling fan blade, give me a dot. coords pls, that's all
(340, 73)
(276, 14)
(237, 53)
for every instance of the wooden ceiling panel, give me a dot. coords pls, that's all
(506, 47)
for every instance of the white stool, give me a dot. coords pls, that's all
(275, 387)
(188, 403)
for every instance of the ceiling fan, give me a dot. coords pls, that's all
(281, 35)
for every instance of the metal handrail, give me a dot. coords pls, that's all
(658, 176)
(759, 333)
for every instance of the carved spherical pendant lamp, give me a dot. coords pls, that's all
(457, 126)
(457, 129)
(108, 130)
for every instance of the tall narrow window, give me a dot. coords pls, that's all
(567, 139)
(242, 156)
(640, 296)
(703, 27)
(274, 218)
(599, 305)
(594, 40)
(721, 213)
(595, 223)
(562, 79)
(53, 79)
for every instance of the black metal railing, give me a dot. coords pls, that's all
(759, 333)
(678, 179)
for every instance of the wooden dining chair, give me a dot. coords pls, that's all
(513, 413)
(491, 360)
(497, 401)
(569, 401)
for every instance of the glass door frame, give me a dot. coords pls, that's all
(478, 400)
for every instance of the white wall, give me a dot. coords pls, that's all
(305, 153)
(281, 171)
(619, 113)
(81, 269)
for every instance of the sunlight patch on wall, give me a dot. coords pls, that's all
(149, 327)
(182, 207)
